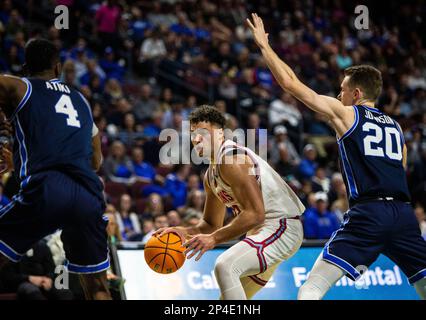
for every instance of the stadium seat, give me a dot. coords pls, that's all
(115, 189)
(140, 205)
(8, 296)
(137, 188)
(163, 170)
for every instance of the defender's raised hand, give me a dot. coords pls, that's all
(258, 30)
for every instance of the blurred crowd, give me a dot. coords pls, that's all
(143, 65)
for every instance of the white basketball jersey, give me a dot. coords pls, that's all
(278, 198)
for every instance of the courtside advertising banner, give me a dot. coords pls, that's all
(196, 280)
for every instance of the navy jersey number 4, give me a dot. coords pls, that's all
(65, 106)
(371, 155)
(54, 132)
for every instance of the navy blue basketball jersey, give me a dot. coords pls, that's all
(53, 131)
(371, 154)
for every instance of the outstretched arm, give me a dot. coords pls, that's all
(12, 89)
(340, 116)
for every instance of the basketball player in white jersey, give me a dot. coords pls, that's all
(266, 210)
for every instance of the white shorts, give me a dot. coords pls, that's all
(256, 257)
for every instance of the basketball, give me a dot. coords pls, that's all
(164, 254)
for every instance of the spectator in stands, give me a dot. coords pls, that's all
(69, 74)
(146, 105)
(178, 112)
(130, 131)
(194, 182)
(341, 204)
(93, 71)
(118, 166)
(113, 90)
(32, 278)
(14, 60)
(223, 60)
(113, 229)
(147, 226)
(263, 75)
(112, 68)
(116, 116)
(308, 164)
(246, 89)
(176, 184)
(14, 24)
(152, 50)
(227, 90)
(283, 154)
(319, 223)
(305, 193)
(336, 183)
(127, 220)
(114, 236)
(173, 218)
(160, 221)
(165, 99)
(194, 204)
(283, 110)
(154, 206)
(320, 181)
(320, 134)
(421, 217)
(143, 170)
(107, 19)
(191, 219)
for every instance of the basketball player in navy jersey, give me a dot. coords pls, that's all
(372, 159)
(56, 150)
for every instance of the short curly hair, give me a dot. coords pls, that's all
(208, 114)
(40, 55)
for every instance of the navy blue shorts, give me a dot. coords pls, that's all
(369, 229)
(51, 201)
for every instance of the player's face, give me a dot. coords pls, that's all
(348, 96)
(205, 138)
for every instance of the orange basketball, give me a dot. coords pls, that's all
(164, 254)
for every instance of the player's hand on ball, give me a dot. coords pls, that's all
(179, 231)
(199, 244)
(258, 30)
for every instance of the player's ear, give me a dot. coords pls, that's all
(357, 94)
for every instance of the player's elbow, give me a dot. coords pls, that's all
(256, 218)
(260, 219)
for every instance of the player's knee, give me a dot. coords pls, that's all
(308, 292)
(220, 267)
(223, 267)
